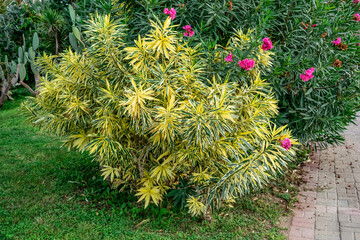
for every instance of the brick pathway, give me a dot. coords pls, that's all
(328, 205)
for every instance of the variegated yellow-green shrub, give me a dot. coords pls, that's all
(157, 121)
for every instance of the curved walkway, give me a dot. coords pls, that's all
(328, 206)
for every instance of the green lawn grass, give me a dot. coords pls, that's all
(47, 192)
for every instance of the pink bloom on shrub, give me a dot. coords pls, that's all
(229, 58)
(188, 31)
(267, 45)
(171, 12)
(314, 25)
(286, 143)
(337, 41)
(247, 64)
(187, 28)
(356, 17)
(308, 75)
(356, 1)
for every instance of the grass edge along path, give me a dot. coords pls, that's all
(49, 193)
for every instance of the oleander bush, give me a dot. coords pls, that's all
(303, 33)
(161, 119)
(317, 109)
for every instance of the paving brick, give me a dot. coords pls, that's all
(343, 203)
(309, 215)
(350, 229)
(355, 219)
(347, 235)
(295, 232)
(344, 217)
(322, 236)
(299, 238)
(308, 233)
(327, 202)
(335, 174)
(357, 236)
(350, 225)
(331, 209)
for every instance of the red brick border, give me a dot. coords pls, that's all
(303, 221)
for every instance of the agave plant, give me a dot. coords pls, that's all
(152, 116)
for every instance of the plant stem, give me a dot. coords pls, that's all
(56, 43)
(28, 88)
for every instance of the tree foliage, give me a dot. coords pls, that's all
(155, 114)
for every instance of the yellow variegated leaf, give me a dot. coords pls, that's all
(148, 193)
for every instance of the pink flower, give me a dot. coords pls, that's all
(286, 143)
(187, 28)
(267, 45)
(190, 34)
(337, 41)
(188, 31)
(229, 58)
(314, 25)
(247, 64)
(356, 17)
(172, 13)
(308, 75)
(355, 1)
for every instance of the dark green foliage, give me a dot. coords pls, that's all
(209, 19)
(181, 192)
(320, 109)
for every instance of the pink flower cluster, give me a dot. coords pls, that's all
(286, 143)
(247, 64)
(229, 57)
(356, 1)
(314, 25)
(337, 41)
(171, 12)
(188, 31)
(308, 75)
(356, 17)
(267, 45)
